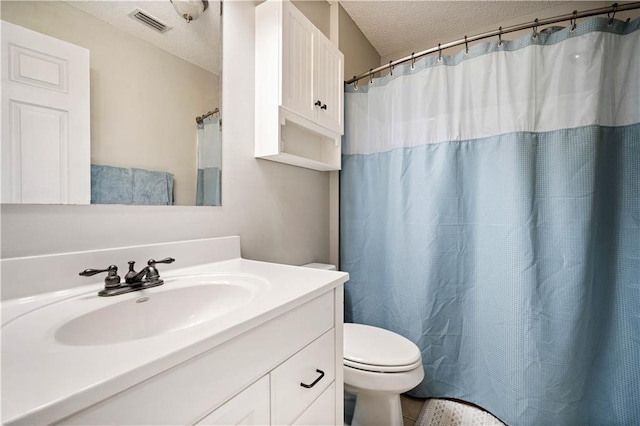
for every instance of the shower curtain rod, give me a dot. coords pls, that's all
(201, 118)
(609, 10)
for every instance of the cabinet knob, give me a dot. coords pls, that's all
(324, 106)
(318, 103)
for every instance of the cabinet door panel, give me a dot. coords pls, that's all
(329, 82)
(322, 412)
(249, 407)
(297, 62)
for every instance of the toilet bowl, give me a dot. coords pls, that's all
(378, 366)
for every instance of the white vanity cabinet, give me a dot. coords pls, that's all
(254, 379)
(299, 89)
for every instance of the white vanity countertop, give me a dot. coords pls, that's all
(44, 380)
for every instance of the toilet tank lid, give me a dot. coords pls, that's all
(365, 344)
(324, 266)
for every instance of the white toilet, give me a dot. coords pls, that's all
(378, 365)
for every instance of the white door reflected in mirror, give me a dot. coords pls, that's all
(45, 119)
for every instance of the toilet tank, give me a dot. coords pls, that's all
(325, 266)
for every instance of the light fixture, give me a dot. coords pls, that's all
(190, 9)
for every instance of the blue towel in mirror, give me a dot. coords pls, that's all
(152, 188)
(121, 185)
(111, 185)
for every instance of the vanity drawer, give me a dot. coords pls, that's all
(301, 379)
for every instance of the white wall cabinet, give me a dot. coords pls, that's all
(299, 90)
(254, 379)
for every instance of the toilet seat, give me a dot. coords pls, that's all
(378, 350)
(382, 368)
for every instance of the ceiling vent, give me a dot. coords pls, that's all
(149, 21)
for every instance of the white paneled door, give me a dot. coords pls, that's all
(45, 119)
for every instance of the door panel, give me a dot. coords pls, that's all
(297, 60)
(45, 119)
(329, 84)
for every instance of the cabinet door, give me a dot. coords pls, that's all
(249, 407)
(322, 412)
(329, 84)
(298, 42)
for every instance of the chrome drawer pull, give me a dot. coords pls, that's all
(315, 381)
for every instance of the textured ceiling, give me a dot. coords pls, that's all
(198, 42)
(395, 26)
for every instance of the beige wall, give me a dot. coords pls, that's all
(144, 100)
(317, 11)
(359, 54)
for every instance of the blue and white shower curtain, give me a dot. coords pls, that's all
(490, 212)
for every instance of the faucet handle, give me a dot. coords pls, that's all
(152, 262)
(110, 281)
(152, 272)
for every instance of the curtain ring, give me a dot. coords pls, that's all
(535, 29)
(500, 37)
(573, 20)
(370, 76)
(391, 67)
(439, 53)
(615, 8)
(355, 84)
(466, 46)
(413, 61)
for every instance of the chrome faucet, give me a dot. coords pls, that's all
(148, 277)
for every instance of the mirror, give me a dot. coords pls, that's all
(147, 88)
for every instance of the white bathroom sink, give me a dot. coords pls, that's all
(181, 303)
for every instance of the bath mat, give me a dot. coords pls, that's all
(443, 412)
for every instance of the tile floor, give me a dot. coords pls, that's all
(411, 408)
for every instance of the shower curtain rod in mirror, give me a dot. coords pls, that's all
(609, 10)
(208, 114)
